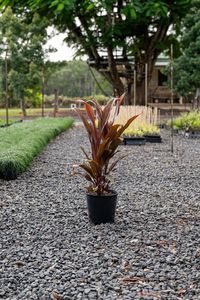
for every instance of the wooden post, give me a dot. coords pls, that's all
(6, 85)
(172, 99)
(135, 79)
(43, 91)
(146, 84)
(158, 122)
(55, 102)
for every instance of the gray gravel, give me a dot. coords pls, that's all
(49, 251)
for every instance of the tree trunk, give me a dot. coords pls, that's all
(128, 100)
(114, 76)
(23, 106)
(140, 92)
(55, 102)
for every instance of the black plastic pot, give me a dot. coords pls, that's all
(193, 134)
(135, 140)
(101, 208)
(153, 138)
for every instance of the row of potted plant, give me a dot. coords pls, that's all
(142, 130)
(188, 124)
(187, 121)
(145, 132)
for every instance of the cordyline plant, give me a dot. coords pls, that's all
(104, 137)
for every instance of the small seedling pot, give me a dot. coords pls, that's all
(101, 208)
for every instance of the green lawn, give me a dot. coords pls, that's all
(13, 112)
(16, 112)
(21, 142)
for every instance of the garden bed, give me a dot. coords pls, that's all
(20, 143)
(49, 249)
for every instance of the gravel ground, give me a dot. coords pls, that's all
(48, 249)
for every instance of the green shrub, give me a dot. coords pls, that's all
(187, 121)
(20, 143)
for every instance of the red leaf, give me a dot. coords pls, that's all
(84, 120)
(88, 169)
(121, 98)
(121, 130)
(90, 112)
(113, 165)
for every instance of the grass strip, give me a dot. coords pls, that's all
(21, 142)
(11, 122)
(16, 112)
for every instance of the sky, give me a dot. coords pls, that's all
(64, 52)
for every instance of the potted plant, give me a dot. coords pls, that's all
(151, 133)
(104, 137)
(133, 136)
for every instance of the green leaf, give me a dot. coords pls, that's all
(90, 7)
(129, 11)
(60, 7)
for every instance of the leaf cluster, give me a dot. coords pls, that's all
(90, 23)
(104, 137)
(24, 43)
(187, 66)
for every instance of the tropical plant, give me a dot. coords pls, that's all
(104, 137)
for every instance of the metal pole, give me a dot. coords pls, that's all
(55, 103)
(172, 100)
(43, 92)
(6, 85)
(135, 78)
(146, 84)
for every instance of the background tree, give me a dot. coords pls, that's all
(137, 31)
(74, 79)
(24, 43)
(187, 66)
(1, 82)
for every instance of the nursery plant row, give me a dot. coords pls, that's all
(21, 142)
(188, 124)
(187, 121)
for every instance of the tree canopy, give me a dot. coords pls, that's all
(23, 44)
(117, 36)
(187, 66)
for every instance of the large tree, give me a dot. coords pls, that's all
(24, 46)
(136, 30)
